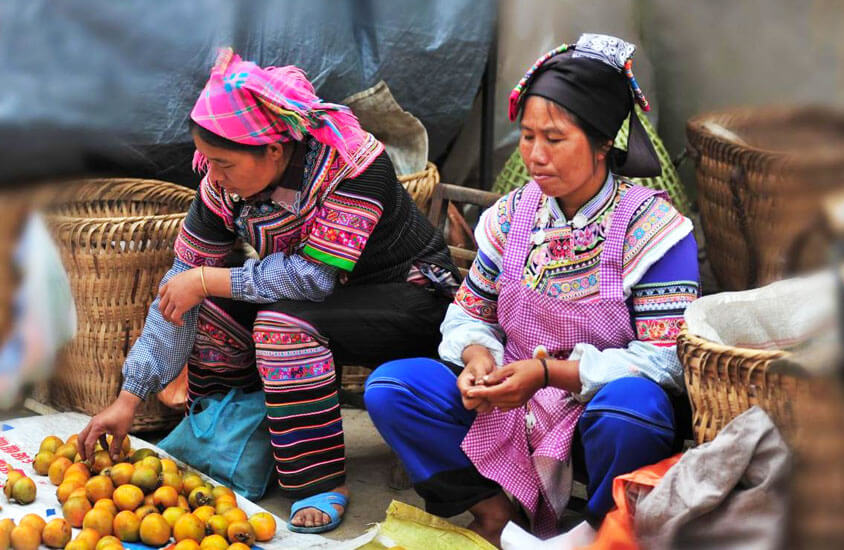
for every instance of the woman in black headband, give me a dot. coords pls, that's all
(558, 351)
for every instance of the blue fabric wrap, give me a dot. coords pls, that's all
(416, 407)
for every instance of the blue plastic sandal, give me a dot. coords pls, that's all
(322, 502)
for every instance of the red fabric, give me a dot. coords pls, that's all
(617, 532)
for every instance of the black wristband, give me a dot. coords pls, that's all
(545, 368)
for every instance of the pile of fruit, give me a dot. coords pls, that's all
(140, 497)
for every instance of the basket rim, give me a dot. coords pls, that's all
(429, 167)
(697, 131)
(63, 218)
(714, 347)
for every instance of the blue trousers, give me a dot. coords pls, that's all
(416, 407)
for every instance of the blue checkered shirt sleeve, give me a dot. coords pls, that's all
(159, 355)
(281, 277)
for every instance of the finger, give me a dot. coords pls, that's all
(490, 392)
(116, 445)
(82, 435)
(164, 303)
(90, 442)
(498, 375)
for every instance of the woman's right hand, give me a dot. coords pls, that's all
(478, 363)
(116, 419)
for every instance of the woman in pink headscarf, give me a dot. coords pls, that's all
(348, 271)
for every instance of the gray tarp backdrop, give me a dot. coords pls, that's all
(96, 82)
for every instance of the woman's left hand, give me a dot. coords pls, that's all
(179, 295)
(511, 386)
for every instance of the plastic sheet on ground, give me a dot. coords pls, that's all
(19, 442)
(410, 528)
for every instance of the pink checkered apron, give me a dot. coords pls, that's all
(497, 443)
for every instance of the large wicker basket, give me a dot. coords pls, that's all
(761, 176)
(116, 240)
(421, 185)
(724, 381)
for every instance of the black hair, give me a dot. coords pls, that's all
(213, 139)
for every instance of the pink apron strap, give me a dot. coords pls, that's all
(518, 238)
(613, 252)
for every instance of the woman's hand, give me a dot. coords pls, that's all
(180, 294)
(478, 363)
(116, 419)
(510, 386)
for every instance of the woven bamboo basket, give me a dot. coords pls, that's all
(116, 240)
(421, 185)
(724, 381)
(514, 173)
(761, 177)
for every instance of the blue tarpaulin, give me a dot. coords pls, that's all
(84, 80)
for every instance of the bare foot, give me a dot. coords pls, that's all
(311, 517)
(491, 515)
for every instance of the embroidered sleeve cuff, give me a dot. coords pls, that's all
(461, 330)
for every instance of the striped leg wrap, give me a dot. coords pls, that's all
(222, 357)
(297, 369)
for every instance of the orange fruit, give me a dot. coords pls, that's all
(188, 526)
(42, 461)
(223, 507)
(186, 544)
(183, 503)
(214, 542)
(108, 539)
(235, 514)
(56, 534)
(64, 490)
(200, 496)
(152, 462)
(238, 546)
(155, 531)
(165, 497)
(99, 520)
(264, 525)
(90, 536)
(241, 531)
(24, 490)
(144, 477)
(121, 473)
(108, 505)
(78, 544)
(24, 537)
(99, 487)
(172, 514)
(204, 512)
(78, 468)
(221, 490)
(74, 510)
(73, 439)
(33, 520)
(127, 497)
(79, 492)
(216, 525)
(68, 450)
(50, 444)
(145, 510)
(101, 461)
(57, 469)
(191, 481)
(168, 465)
(172, 479)
(126, 526)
